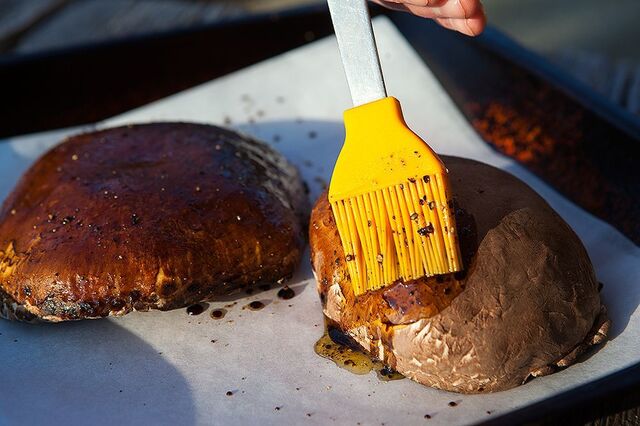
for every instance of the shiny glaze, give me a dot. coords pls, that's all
(347, 354)
(398, 303)
(152, 216)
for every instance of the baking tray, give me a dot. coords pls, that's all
(167, 360)
(573, 399)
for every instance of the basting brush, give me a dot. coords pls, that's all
(389, 191)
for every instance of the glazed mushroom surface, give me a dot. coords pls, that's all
(526, 304)
(155, 216)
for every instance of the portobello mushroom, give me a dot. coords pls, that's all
(155, 216)
(526, 304)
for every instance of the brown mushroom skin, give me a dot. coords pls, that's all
(155, 216)
(527, 302)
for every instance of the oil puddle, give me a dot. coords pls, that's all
(347, 354)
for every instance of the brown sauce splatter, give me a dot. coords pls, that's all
(347, 354)
(387, 374)
(256, 305)
(197, 309)
(218, 313)
(286, 293)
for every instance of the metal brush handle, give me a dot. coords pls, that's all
(357, 44)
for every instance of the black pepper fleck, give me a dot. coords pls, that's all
(426, 230)
(68, 220)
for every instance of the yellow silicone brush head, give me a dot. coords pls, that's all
(391, 201)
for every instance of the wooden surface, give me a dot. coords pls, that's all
(88, 85)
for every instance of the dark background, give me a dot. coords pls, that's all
(595, 40)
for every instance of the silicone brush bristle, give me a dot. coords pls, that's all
(402, 232)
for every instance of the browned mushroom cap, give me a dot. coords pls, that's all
(527, 302)
(151, 216)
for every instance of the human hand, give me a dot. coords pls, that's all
(465, 16)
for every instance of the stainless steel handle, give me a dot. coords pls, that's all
(357, 44)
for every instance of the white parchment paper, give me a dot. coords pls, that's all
(171, 368)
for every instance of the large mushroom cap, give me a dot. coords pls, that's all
(527, 302)
(151, 216)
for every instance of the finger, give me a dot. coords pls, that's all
(469, 26)
(422, 3)
(421, 11)
(442, 8)
(456, 9)
(472, 26)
